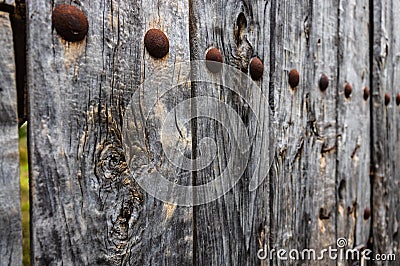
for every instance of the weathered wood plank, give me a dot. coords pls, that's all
(303, 181)
(353, 116)
(167, 228)
(318, 60)
(305, 37)
(386, 130)
(290, 188)
(322, 130)
(86, 207)
(10, 207)
(306, 176)
(231, 230)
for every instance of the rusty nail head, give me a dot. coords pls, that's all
(398, 99)
(347, 90)
(70, 22)
(256, 68)
(387, 99)
(214, 60)
(367, 213)
(156, 43)
(294, 78)
(323, 82)
(366, 93)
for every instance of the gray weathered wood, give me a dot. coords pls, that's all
(319, 151)
(303, 181)
(312, 154)
(304, 187)
(86, 207)
(386, 130)
(230, 230)
(10, 207)
(353, 126)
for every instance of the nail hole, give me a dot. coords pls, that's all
(366, 93)
(347, 90)
(349, 209)
(367, 213)
(323, 214)
(387, 99)
(342, 188)
(398, 99)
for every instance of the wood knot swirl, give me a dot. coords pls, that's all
(111, 161)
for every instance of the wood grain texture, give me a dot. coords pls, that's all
(319, 151)
(290, 190)
(10, 207)
(353, 116)
(303, 181)
(386, 130)
(312, 154)
(86, 207)
(230, 230)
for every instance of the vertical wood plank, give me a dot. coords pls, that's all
(313, 126)
(10, 206)
(385, 130)
(305, 37)
(167, 228)
(231, 230)
(319, 128)
(304, 204)
(86, 207)
(290, 193)
(354, 140)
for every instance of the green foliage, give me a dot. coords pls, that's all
(24, 181)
